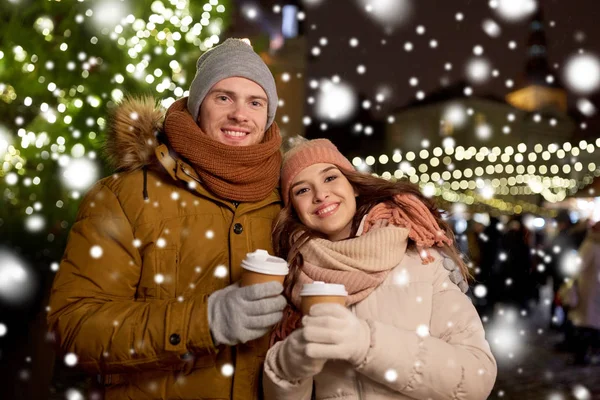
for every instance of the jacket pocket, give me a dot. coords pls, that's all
(160, 274)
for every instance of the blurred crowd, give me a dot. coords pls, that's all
(513, 258)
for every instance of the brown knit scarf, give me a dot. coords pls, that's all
(359, 263)
(238, 173)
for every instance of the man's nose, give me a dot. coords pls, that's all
(238, 113)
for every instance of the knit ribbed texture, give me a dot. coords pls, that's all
(232, 58)
(361, 264)
(411, 213)
(306, 154)
(237, 173)
(358, 263)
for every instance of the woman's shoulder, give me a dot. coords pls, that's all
(412, 266)
(411, 269)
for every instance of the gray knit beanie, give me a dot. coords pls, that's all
(233, 57)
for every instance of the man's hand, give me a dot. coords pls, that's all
(240, 314)
(334, 332)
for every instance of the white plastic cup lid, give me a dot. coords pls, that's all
(262, 262)
(318, 288)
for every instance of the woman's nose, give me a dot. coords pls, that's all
(320, 195)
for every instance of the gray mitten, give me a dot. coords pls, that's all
(455, 276)
(240, 314)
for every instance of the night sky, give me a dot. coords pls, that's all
(570, 26)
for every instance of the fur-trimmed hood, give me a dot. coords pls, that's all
(132, 134)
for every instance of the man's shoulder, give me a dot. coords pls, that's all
(128, 186)
(122, 182)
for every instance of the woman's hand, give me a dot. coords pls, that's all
(334, 332)
(454, 273)
(293, 360)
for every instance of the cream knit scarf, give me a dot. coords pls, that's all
(361, 263)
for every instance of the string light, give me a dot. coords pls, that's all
(528, 180)
(74, 105)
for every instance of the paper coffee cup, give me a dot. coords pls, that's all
(321, 292)
(260, 267)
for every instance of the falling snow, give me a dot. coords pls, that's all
(60, 151)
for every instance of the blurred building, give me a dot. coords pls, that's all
(512, 147)
(277, 33)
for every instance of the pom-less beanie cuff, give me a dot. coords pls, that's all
(306, 154)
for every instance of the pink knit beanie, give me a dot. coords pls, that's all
(305, 154)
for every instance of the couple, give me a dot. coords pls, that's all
(146, 295)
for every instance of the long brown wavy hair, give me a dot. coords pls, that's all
(290, 234)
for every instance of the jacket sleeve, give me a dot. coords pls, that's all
(451, 361)
(93, 310)
(278, 388)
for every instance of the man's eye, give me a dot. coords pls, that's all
(257, 104)
(222, 98)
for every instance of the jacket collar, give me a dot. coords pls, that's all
(132, 134)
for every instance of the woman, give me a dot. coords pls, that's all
(408, 331)
(586, 314)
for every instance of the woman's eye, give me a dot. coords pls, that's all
(299, 192)
(330, 178)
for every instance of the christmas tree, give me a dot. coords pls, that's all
(63, 66)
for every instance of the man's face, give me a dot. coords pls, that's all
(234, 112)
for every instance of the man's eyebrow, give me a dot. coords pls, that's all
(224, 91)
(263, 98)
(322, 172)
(233, 94)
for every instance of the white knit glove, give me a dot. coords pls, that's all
(334, 332)
(293, 361)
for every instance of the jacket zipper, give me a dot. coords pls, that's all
(357, 382)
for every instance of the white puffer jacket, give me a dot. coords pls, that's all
(427, 342)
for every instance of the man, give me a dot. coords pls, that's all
(144, 296)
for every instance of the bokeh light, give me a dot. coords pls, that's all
(17, 283)
(582, 73)
(514, 10)
(389, 13)
(335, 101)
(79, 174)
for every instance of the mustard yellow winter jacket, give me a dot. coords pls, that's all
(149, 245)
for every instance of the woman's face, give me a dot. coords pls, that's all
(324, 200)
